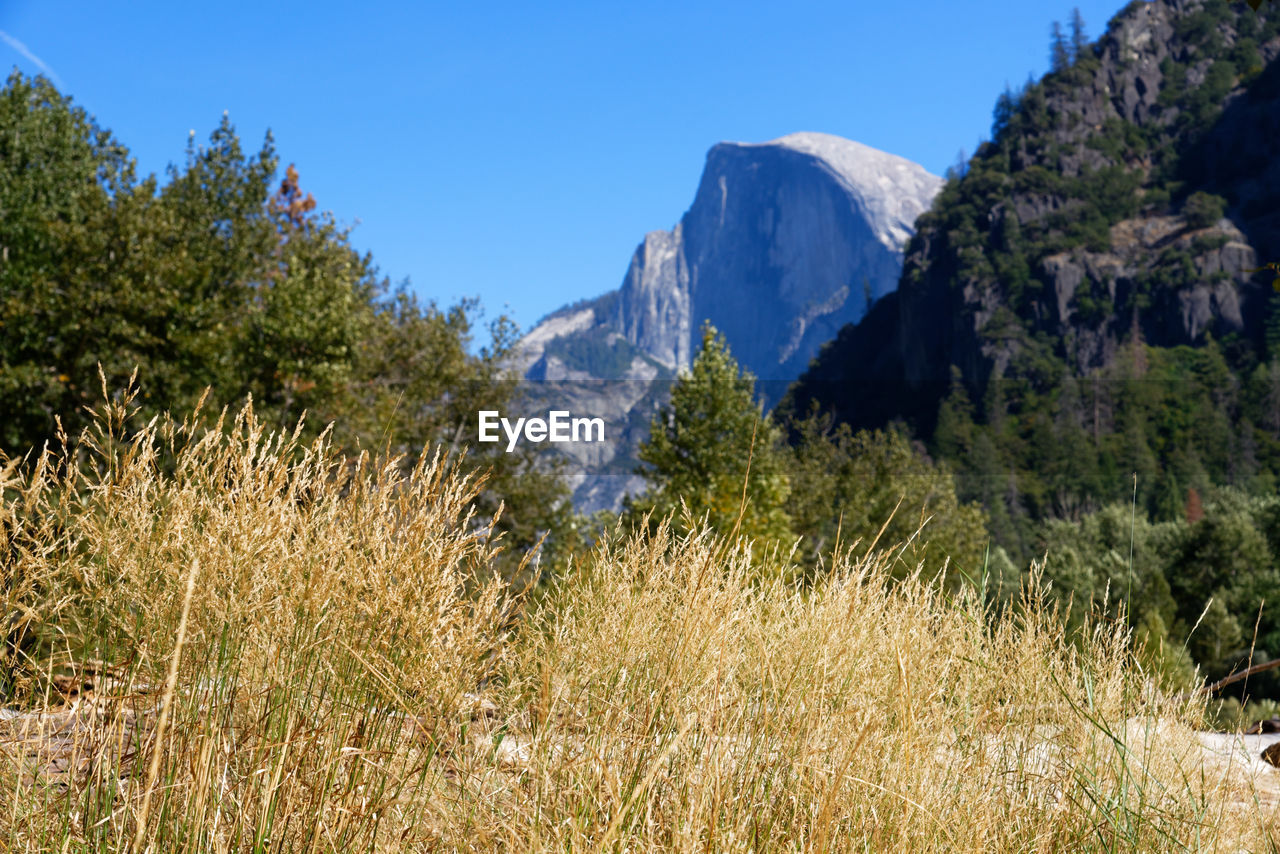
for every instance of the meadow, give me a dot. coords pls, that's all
(221, 637)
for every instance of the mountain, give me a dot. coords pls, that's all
(785, 242)
(1078, 306)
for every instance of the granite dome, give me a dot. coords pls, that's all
(786, 242)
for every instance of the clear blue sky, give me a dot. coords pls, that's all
(518, 152)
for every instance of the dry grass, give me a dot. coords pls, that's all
(309, 654)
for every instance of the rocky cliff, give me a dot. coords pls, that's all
(785, 242)
(1123, 199)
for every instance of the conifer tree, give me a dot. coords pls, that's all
(1079, 38)
(1059, 51)
(954, 431)
(1003, 112)
(713, 449)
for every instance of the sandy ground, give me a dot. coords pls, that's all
(1243, 754)
(52, 745)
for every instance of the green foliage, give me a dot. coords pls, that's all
(598, 350)
(1195, 587)
(57, 170)
(223, 281)
(1114, 563)
(201, 283)
(1055, 430)
(1058, 438)
(869, 484)
(1075, 435)
(1178, 417)
(713, 451)
(1059, 49)
(1203, 210)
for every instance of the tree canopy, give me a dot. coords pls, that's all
(224, 277)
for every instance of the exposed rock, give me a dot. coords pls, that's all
(1268, 726)
(1080, 134)
(786, 242)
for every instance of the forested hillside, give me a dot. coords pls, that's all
(1082, 321)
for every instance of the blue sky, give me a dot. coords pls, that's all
(518, 152)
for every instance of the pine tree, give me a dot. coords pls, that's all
(1005, 109)
(1059, 50)
(954, 432)
(1271, 327)
(707, 443)
(1079, 39)
(1266, 390)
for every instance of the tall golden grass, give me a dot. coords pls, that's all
(290, 650)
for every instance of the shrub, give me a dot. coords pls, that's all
(1203, 210)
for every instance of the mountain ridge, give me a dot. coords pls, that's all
(1106, 234)
(784, 243)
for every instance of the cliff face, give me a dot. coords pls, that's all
(1123, 198)
(786, 242)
